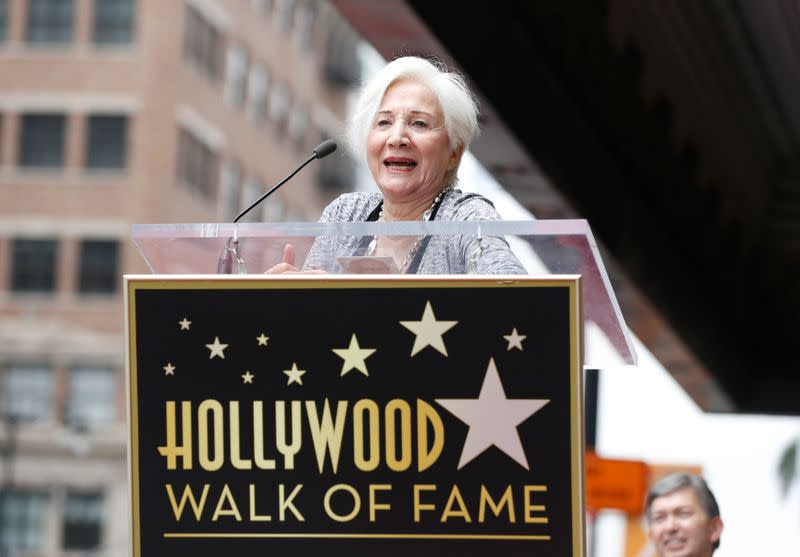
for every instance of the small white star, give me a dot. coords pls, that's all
(295, 375)
(515, 339)
(185, 324)
(262, 340)
(248, 377)
(428, 331)
(217, 349)
(493, 419)
(354, 356)
(169, 369)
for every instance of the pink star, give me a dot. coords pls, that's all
(493, 419)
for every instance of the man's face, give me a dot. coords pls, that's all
(679, 527)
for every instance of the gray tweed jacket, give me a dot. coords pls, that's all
(438, 254)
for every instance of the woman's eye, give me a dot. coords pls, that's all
(420, 124)
(383, 123)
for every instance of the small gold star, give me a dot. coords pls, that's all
(262, 340)
(514, 339)
(185, 324)
(295, 375)
(217, 349)
(248, 377)
(354, 356)
(428, 331)
(169, 369)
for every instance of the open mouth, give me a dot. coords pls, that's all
(674, 544)
(399, 164)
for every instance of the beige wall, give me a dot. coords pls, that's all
(152, 83)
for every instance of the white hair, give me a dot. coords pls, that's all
(458, 104)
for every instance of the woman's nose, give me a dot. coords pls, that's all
(397, 135)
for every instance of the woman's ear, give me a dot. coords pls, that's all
(455, 156)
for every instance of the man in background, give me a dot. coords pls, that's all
(682, 517)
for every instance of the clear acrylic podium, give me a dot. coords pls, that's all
(543, 247)
(413, 405)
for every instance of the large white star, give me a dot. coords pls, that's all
(354, 356)
(428, 331)
(217, 349)
(515, 339)
(493, 419)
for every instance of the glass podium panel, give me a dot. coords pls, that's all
(534, 248)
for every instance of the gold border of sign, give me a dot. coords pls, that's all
(233, 282)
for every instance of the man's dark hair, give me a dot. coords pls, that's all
(674, 482)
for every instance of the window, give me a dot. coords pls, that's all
(273, 209)
(341, 66)
(21, 517)
(231, 190)
(28, 392)
(236, 75)
(197, 164)
(336, 173)
(50, 21)
(106, 142)
(299, 121)
(202, 44)
(264, 7)
(42, 140)
(252, 191)
(98, 267)
(90, 403)
(83, 520)
(279, 108)
(33, 265)
(284, 14)
(304, 22)
(113, 21)
(257, 87)
(3, 20)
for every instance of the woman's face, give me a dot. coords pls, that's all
(408, 149)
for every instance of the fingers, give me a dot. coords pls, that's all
(286, 266)
(281, 268)
(288, 254)
(284, 269)
(287, 262)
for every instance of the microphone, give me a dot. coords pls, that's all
(230, 253)
(322, 150)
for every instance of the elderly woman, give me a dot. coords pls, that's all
(413, 121)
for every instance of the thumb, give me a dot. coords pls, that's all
(288, 254)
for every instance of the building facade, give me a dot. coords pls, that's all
(115, 112)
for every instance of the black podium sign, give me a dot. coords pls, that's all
(412, 416)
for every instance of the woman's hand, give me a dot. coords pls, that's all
(286, 266)
(287, 263)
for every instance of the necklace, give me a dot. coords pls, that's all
(412, 251)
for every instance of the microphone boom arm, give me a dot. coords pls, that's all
(272, 189)
(230, 260)
(323, 149)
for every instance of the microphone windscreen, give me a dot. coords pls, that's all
(325, 148)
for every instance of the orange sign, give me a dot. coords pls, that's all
(615, 484)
